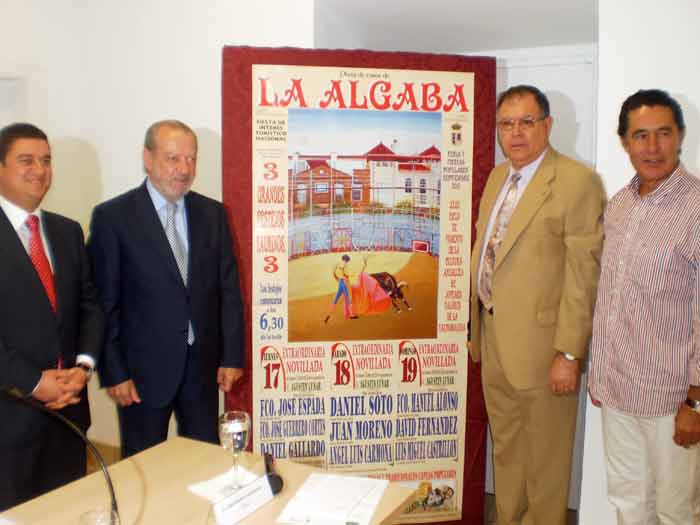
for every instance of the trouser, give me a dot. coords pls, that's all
(196, 411)
(50, 460)
(651, 480)
(533, 434)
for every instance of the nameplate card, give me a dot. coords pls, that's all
(243, 502)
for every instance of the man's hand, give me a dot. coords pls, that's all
(54, 390)
(564, 375)
(226, 377)
(687, 430)
(74, 379)
(124, 393)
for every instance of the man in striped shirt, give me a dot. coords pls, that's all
(645, 370)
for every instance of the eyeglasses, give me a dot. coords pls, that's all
(526, 123)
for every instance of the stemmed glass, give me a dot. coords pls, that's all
(234, 433)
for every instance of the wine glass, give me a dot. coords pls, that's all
(234, 433)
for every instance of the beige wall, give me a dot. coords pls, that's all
(95, 73)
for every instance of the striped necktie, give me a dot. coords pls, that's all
(179, 253)
(39, 259)
(37, 254)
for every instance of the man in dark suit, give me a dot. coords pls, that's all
(50, 325)
(168, 283)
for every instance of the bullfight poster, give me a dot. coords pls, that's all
(361, 192)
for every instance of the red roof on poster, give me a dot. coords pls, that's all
(432, 151)
(380, 149)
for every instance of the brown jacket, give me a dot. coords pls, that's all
(546, 270)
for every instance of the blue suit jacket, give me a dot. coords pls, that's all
(147, 305)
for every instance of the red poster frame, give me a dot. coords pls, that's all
(237, 191)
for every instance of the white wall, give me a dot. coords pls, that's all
(567, 75)
(94, 74)
(641, 44)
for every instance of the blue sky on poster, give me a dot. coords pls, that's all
(354, 132)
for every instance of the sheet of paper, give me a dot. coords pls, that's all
(327, 499)
(219, 487)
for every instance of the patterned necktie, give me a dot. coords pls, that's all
(37, 254)
(40, 260)
(175, 242)
(179, 252)
(497, 233)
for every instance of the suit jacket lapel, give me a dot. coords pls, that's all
(10, 245)
(532, 199)
(196, 229)
(15, 256)
(146, 219)
(59, 258)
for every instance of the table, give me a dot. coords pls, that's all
(151, 488)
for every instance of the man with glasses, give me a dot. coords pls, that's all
(535, 266)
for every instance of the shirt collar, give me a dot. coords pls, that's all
(16, 215)
(528, 171)
(159, 201)
(666, 187)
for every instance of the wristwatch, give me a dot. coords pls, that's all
(694, 404)
(87, 369)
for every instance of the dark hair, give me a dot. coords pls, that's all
(524, 89)
(13, 132)
(149, 142)
(346, 257)
(649, 97)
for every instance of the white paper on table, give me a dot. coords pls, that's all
(243, 502)
(217, 488)
(328, 499)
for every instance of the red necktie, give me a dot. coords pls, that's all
(41, 262)
(39, 259)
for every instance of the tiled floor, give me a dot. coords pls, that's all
(490, 512)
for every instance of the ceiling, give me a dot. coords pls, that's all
(453, 26)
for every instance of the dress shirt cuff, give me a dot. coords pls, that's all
(577, 355)
(85, 358)
(37, 384)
